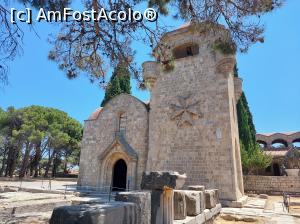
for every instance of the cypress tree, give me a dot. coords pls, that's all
(119, 83)
(124, 78)
(247, 130)
(253, 158)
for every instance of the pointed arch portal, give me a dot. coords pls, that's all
(119, 176)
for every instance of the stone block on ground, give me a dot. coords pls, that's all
(158, 180)
(217, 196)
(196, 187)
(242, 202)
(111, 213)
(202, 201)
(142, 199)
(263, 196)
(193, 205)
(210, 200)
(179, 205)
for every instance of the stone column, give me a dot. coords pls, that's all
(168, 206)
(162, 185)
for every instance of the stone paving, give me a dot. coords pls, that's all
(255, 207)
(26, 207)
(33, 208)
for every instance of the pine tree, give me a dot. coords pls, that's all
(119, 83)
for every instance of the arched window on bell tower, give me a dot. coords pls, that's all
(186, 50)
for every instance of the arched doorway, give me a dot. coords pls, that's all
(119, 177)
(276, 169)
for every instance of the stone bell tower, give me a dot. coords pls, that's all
(193, 125)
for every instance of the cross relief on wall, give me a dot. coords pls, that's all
(185, 110)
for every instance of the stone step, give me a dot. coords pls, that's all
(255, 203)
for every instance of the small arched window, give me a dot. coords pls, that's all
(122, 122)
(279, 143)
(296, 143)
(186, 50)
(262, 144)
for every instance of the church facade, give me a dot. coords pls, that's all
(189, 125)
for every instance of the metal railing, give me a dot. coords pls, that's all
(106, 193)
(43, 184)
(286, 201)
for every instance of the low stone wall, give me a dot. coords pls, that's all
(272, 184)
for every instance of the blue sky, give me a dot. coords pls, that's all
(270, 71)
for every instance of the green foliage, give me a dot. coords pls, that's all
(292, 159)
(124, 78)
(169, 66)
(34, 131)
(119, 83)
(254, 160)
(247, 130)
(225, 47)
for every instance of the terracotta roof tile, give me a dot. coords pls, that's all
(95, 114)
(283, 133)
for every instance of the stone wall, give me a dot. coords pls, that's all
(272, 184)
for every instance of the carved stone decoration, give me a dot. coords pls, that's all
(151, 70)
(186, 111)
(225, 66)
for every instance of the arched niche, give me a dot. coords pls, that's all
(279, 143)
(185, 50)
(296, 143)
(262, 144)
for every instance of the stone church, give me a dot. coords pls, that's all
(189, 125)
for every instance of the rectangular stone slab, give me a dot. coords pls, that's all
(196, 187)
(179, 205)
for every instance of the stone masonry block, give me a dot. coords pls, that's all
(143, 202)
(158, 180)
(210, 200)
(202, 200)
(112, 213)
(217, 196)
(193, 205)
(179, 205)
